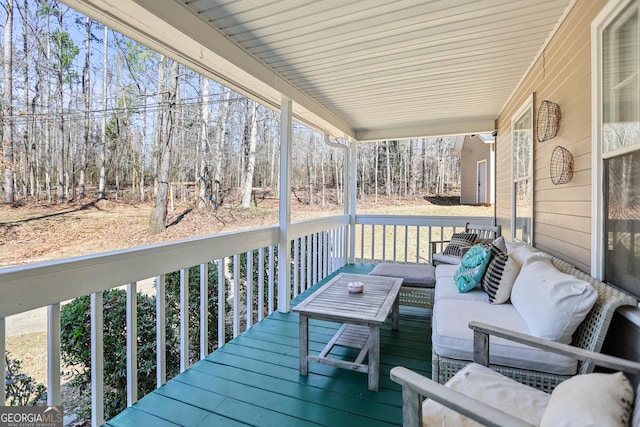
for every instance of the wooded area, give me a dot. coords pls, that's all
(89, 113)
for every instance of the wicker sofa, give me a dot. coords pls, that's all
(453, 341)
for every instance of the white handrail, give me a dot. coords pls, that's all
(37, 285)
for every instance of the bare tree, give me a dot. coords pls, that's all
(251, 142)
(204, 144)
(159, 213)
(59, 81)
(221, 134)
(102, 186)
(412, 166)
(388, 179)
(7, 108)
(86, 75)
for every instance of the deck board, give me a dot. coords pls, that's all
(254, 378)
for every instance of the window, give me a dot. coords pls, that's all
(522, 172)
(617, 146)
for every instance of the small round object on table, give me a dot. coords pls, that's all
(355, 287)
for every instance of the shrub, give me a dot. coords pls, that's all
(76, 336)
(172, 288)
(76, 345)
(20, 388)
(255, 276)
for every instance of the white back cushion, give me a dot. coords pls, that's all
(552, 303)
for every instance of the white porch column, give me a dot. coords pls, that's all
(353, 170)
(284, 245)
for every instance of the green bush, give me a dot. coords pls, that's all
(76, 336)
(172, 288)
(255, 276)
(76, 345)
(20, 388)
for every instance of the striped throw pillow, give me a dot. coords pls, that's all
(459, 240)
(499, 276)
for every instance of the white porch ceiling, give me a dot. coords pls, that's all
(364, 69)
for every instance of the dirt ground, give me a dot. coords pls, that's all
(31, 233)
(35, 233)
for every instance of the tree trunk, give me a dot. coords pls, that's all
(423, 160)
(204, 145)
(48, 138)
(27, 172)
(7, 108)
(102, 186)
(375, 170)
(86, 86)
(310, 174)
(412, 165)
(251, 155)
(159, 213)
(221, 132)
(388, 183)
(61, 142)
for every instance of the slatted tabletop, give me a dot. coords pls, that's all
(254, 379)
(334, 302)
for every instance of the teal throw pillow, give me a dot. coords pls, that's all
(472, 268)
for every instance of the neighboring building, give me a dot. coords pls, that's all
(477, 169)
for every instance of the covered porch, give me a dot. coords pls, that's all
(357, 73)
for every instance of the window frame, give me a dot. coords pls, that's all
(526, 107)
(607, 15)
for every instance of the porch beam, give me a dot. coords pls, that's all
(284, 242)
(461, 126)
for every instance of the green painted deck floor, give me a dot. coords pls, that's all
(254, 379)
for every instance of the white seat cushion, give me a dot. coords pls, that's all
(487, 386)
(451, 336)
(445, 270)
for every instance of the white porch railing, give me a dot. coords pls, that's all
(319, 247)
(406, 239)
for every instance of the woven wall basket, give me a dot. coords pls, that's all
(561, 166)
(548, 122)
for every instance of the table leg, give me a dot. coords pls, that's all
(304, 344)
(374, 357)
(395, 314)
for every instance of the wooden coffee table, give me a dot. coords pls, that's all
(361, 315)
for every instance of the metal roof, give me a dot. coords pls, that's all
(365, 69)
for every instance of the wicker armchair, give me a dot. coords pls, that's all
(590, 336)
(459, 396)
(484, 232)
